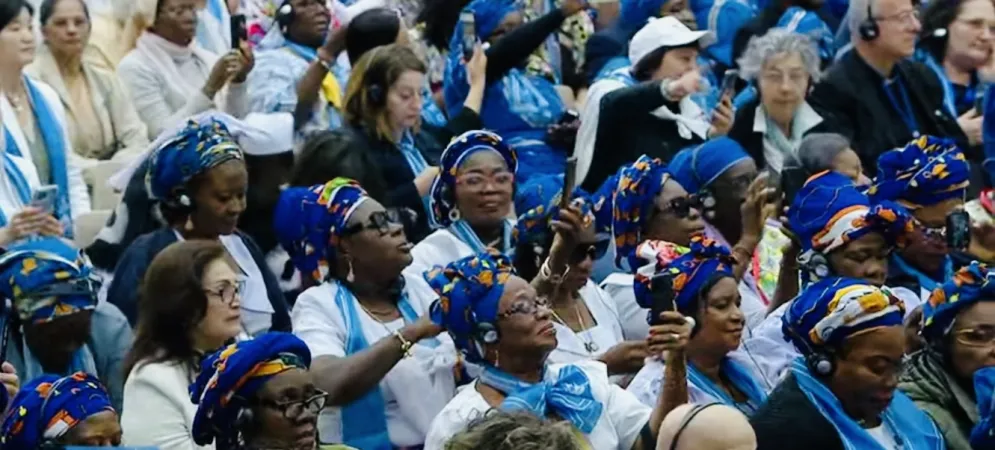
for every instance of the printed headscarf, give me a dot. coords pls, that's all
(925, 172)
(633, 190)
(969, 285)
(309, 221)
(49, 406)
(829, 211)
(47, 278)
(443, 192)
(230, 378)
(692, 269)
(695, 168)
(469, 292)
(540, 199)
(833, 309)
(200, 146)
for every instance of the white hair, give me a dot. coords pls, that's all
(775, 43)
(858, 12)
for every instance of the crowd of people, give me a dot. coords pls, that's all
(497, 224)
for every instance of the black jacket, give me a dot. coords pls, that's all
(853, 102)
(789, 421)
(627, 130)
(753, 141)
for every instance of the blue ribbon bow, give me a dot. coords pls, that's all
(569, 396)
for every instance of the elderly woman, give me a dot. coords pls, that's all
(499, 430)
(38, 148)
(101, 121)
(198, 179)
(471, 198)
(929, 177)
(783, 65)
(498, 321)
(170, 77)
(54, 412)
(959, 330)
(841, 393)
(819, 152)
(257, 394)
(704, 289)
(364, 318)
(59, 326)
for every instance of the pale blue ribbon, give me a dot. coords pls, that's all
(569, 397)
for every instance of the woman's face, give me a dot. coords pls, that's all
(971, 342)
(99, 430)
(730, 189)
(673, 219)
(311, 20)
(484, 188)
(677, 62)
(524, 321)
(971, 35)
(68, 29)
(17, 42)
(589, 249)
(721, 319)
(509, 23)
(287, 412)
(848, 163)
(376, 242)
(176, 21)
(927, 249)
(865, 258)
(54, 343)
(867, 370)
(404, 100)
(219, 199)
(222, 318)
(680, 10)
(783, 82)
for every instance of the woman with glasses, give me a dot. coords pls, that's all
(471, 198)
(257, 394)
(386, 370)
(959, 332)
(190, 306)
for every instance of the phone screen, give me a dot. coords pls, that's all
(663, 296)
(958, 230)
(792, 180)
(568, 181)
(239, 31)
(44, 198)
(729, 82)
(469, 33)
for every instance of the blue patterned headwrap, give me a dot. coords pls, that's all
(469, 292)
(969, 285)
(308, 222)
(829, 211)
(691, 270)
(47, 278)
(635, 189)
(925, 172)
(635, 13)
(230, 378)
(443, 201)
(201, 145)
(539, 198)
(983, 433)
(696, 168)
(833, 309)
(67, 401)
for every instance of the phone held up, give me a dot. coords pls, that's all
(239, 31)
(569, 178)
(728, 86)
(44, 198)
(792, 180)
(469, 33)
(958, 230)
(663, 296)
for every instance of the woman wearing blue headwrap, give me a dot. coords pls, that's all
(704, 289)
(198, 179)
(257, 394)
(386, 370)
(499, 321)
(53, 292)
(519, 107)
(472, 200)
(840, 394)
(959, 333)
(70, 411)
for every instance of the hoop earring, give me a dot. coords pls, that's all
(351, 277)
(454, 215)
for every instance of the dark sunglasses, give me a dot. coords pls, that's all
(594, 251)
(381, 221)
(681, 206)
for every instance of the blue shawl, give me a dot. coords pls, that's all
(740, 377)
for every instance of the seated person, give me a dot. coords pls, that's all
(54, 295)
(609, 47)
(840, 394)
(74, 410)
(707, 426)
(499, 430)
(819, 152)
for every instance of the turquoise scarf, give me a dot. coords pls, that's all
(740, 377)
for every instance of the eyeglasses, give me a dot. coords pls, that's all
(904, 18)
(228, 293)
(595, 251)
(381, 221)
(981, 336)
(293, 409)
(478, 180)
(681, 206)
(525, 307)
(796, 78)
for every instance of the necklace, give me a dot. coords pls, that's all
(589, 345)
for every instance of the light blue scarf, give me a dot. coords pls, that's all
(340, 73)
(417, 164)
(925, 281)
(740, 378)
(913, 429)
(82, 362)
(55, 146)
(568, 397)
(364, 422)
(462, 230)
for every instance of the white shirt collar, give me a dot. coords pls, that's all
(805, 119)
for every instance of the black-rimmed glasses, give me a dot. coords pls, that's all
(293, 409)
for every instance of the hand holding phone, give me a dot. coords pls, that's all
(568, 182)
(792, 180)
(662, 288)
(728, 86)
(958, 230)
(44, 198)
(469, 33)
(239, 31)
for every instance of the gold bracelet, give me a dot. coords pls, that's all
(405, 344)
(736, 253)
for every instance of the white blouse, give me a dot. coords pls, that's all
(622, 418)
(594, 341)
(437, 249)
(415, 390)
(157, 410)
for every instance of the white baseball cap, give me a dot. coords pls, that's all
(664, 32)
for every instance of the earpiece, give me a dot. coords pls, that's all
(818, 362)
(940, 32)
(818, 265)
(244, 419)
(374, 94)
(285, 15)
(374, 87)
(488, 333)
(869, 29)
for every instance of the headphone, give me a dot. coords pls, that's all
(819, 362)
(285, 15)
(817, 264)
(181, 201)
(697, 409)
(375, 92)
(868, 28)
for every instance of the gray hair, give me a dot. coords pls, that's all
(778, 42)
(499, 430)
(818, 150)
(858, 12)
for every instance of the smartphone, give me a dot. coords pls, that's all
(469, 33)
(239, 31)
(569, 179)
(44, 198)
(792, 180)
(979, 104)
(569, 116)
(774, 182)
(728, 86)
(958, 230)
(7, 312)
(663, 296)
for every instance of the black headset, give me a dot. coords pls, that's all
(284, 15)
(181, 201)
(375, 90)
(818, 361)
(817, 265)
(868, 28)
(697, 409)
